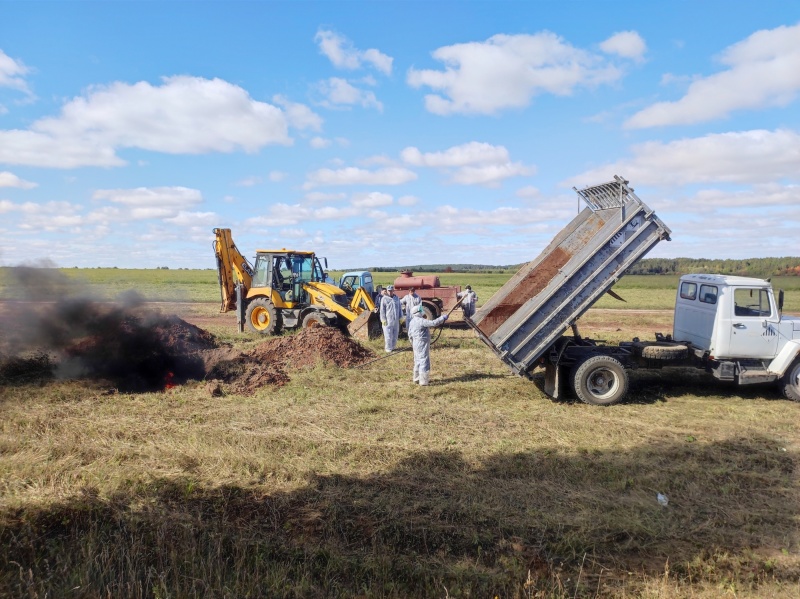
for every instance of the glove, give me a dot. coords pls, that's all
(446, 316)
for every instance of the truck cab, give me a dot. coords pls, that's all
(732, 317)
(735, 327)
(351, 281)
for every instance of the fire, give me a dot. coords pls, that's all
(168, 384)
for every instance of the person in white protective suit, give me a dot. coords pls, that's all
(390, 311)
(410, 301)
(420, 335)
(468, 300)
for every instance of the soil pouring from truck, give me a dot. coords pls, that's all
(730, 327)
(435, 298)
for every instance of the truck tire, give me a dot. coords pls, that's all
(314, 319)
(431, 311)
(599, 381)
(661, 351)
(790, 383)
(262, 317)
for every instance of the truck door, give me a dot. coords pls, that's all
(754, 333)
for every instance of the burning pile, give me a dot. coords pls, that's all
(134, 349)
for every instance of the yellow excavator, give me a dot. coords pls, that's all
(287, 289)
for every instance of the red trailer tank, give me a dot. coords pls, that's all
(435, 298)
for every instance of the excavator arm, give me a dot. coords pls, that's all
(232, 269)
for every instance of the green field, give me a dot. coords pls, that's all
(641, 291)
(356, 483)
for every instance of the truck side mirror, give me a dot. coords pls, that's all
(780, 300)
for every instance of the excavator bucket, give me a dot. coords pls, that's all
(366, 326)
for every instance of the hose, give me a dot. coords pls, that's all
(399, 351)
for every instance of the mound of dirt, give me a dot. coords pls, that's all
(138, 352)
(271, 362)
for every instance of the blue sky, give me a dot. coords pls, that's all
(391, 133)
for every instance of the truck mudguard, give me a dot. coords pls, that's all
(785, 357)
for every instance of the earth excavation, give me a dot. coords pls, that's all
(135, 350)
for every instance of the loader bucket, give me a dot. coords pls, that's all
(366, 326)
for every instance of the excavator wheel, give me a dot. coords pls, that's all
(262, 317)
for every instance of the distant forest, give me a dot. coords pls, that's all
(751, 267)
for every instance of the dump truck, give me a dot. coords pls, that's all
(730, 327)
(287, 289)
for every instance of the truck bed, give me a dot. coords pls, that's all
(540, 302)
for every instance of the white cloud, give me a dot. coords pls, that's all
(764, 70)
(471, 163)
(373, 199)
(490, 174)
(407, 200)
(248, 181)
(339, 93)
(627, 44)
(144, 203)
(528, 192)
(466, 154)
(319, 197)
(341, 52)
(759, 196)
(45, 217)
(299, 116)
(277, 176)
(319, 143)
(193, 219)
(294, 214)
(748, 157)
(8, 179)
(507, 71)
(184, 115)
(293, 233)
(12, 74)
(359, 176)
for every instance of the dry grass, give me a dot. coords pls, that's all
(355, 483)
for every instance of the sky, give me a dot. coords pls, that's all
(391, 133)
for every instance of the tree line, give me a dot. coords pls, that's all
(750, 267)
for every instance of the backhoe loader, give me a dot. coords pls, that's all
(286, 289)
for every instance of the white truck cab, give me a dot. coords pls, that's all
(736, 324)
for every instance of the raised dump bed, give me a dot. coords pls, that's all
(538, 304)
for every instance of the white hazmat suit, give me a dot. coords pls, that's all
(468, 300)
(420, 335)
(390, 319)
(409, 302)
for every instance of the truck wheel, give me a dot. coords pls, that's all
(600, 381)
(262, 317)
(790, 383)
(314, 319)
(661, 351)
(430, 311)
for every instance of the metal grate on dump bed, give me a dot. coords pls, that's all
(606, 195)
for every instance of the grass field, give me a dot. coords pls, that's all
(644, 292)
(355, 483)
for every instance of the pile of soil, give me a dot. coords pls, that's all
(141, 351)
(272, 362)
